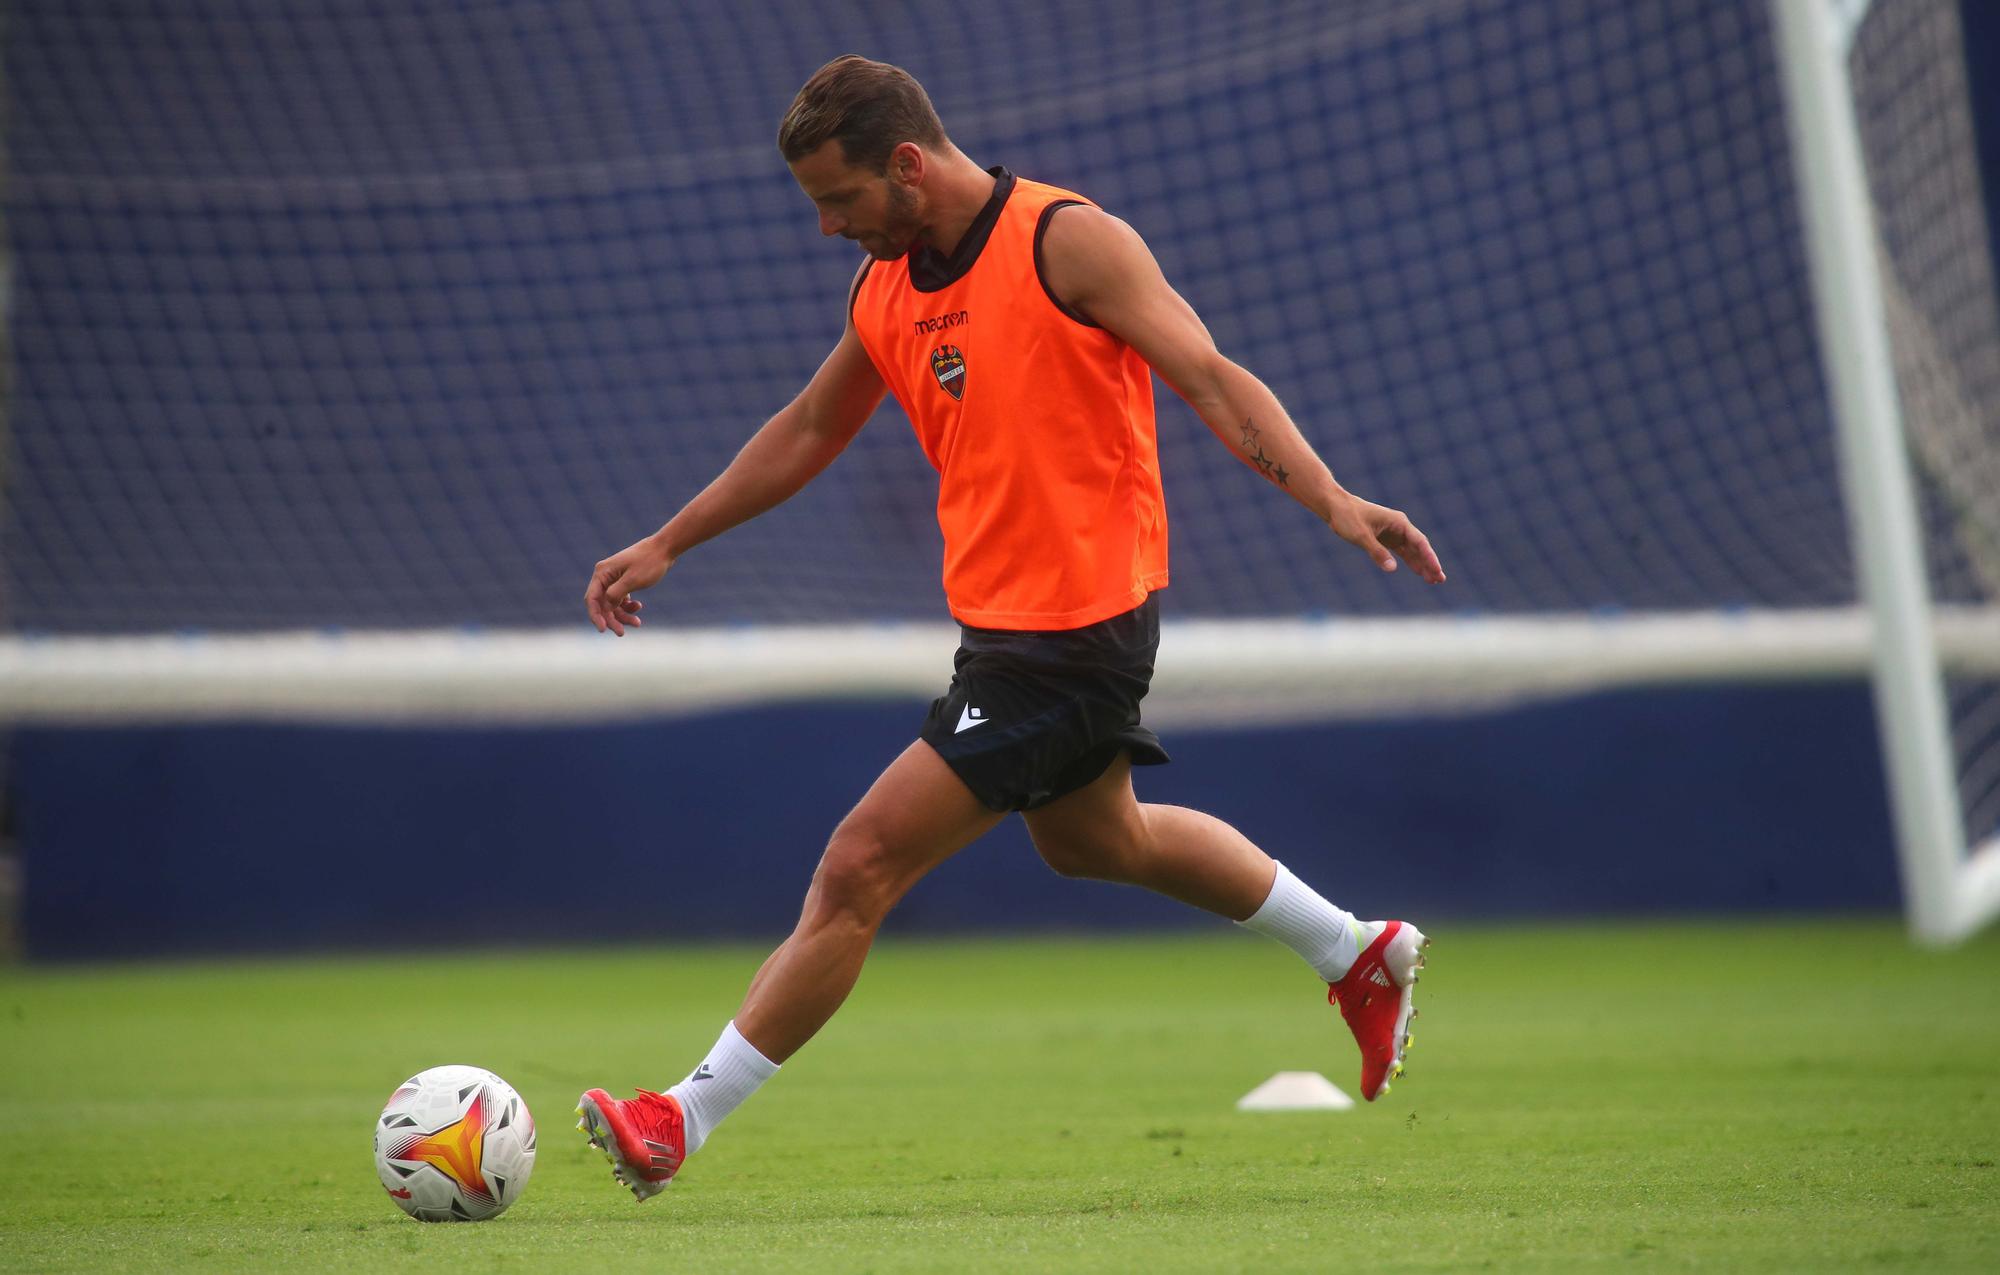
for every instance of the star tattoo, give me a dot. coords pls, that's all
(1250, 433)
(1281, 475)
(1263, 462)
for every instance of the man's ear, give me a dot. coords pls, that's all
(906, 164)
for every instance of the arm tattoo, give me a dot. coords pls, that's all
(1268, 467)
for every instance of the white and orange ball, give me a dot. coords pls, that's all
(455, 1144)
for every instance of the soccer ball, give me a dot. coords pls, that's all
(455, 1144)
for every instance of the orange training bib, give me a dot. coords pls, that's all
(1039, 423)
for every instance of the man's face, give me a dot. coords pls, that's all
(880, 212)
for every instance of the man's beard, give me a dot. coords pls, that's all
(901, 227)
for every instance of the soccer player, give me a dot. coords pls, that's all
(1019, 327)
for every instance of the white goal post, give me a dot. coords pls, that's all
(1949, 888)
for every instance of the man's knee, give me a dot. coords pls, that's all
(855, 878)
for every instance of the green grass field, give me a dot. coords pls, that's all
(1771, 1097)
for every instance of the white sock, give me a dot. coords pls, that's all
(731, 1072)
(1329, 939)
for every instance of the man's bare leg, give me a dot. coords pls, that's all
(917, 815)
(914, 817)
(1103, 831)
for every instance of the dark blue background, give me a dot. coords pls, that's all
(217, 839)
(378, 315)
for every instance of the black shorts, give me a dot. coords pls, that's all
(1033, 716)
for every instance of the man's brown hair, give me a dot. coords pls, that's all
(870, 107)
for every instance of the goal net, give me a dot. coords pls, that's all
(345, 339)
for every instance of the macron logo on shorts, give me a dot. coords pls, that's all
(968, 718)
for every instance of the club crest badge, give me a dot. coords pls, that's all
(948, 366)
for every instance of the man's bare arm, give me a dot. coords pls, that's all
(788, 452)
(779, 460)
(1100, 267)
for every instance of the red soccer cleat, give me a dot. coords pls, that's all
(645, 1138)
(1374, 998)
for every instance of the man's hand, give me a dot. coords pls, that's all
(609, 598)
(1384, 535)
